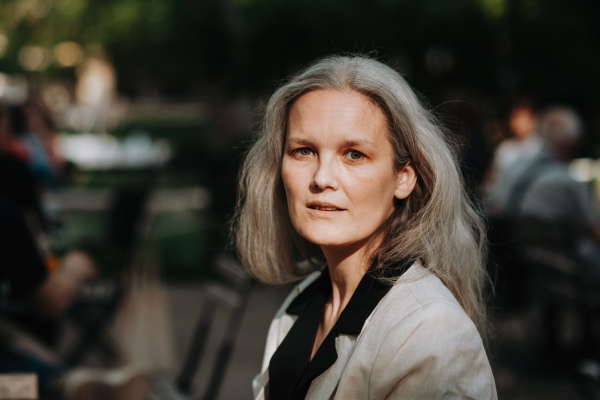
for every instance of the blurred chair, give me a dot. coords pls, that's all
(227, 294)
(560, 284)
(92, 316)
(230, 291)
(98, 303)
(131, 216)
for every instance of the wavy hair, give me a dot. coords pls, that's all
(437, 223)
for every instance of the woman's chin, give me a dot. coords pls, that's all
(333, 242)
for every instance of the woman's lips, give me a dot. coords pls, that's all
(324, 206)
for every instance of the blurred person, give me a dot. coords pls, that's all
(524, 143)
(18, 187)
(33, 296)
(36, 290)
(30, 286)
(33, 131)
(24, 258)
(541, 186)
(16, 178)
(551, 210)
(351, 172)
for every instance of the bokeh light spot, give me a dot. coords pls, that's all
(68, 54)
(3, 44)
(34, 58)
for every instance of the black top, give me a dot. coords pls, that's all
(17, 183)
(290, 370)
(22, 269)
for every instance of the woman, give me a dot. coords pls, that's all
(352, 175)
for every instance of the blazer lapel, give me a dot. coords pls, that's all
(324, 386)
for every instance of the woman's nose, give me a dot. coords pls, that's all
(325, 176)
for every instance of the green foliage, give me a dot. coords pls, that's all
(187, 47)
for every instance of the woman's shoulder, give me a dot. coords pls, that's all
(420, 343)
(424, 288)
(422, 330)
(419, 298)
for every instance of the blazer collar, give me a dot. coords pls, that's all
(308, 306)
(367, 295)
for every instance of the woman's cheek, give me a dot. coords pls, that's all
(293, 178)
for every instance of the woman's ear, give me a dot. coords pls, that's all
(407, 178)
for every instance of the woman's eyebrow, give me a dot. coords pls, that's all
(299, 141)
(346, 143)
(357, 142)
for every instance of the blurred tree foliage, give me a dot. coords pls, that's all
(179, 47)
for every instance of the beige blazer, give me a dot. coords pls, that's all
(418, 343)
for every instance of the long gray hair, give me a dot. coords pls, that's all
(436, 224)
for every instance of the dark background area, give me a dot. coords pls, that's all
(211, 50)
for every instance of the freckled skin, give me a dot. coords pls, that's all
(337, 154)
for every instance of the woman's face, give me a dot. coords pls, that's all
(338, 169)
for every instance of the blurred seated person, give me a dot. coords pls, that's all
(523, 143)
(32, 133)
(540, 187)
(31, 295)
(21, 200)
(16, 177)
(42, 288)
(29, 287)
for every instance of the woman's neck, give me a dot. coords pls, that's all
(347, 266)
(346, 269)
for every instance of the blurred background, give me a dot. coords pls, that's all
(132, 116)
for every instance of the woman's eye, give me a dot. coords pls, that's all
(304, 152)
(354, 155)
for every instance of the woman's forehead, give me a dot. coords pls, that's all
(327, 110)
(347, 95)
